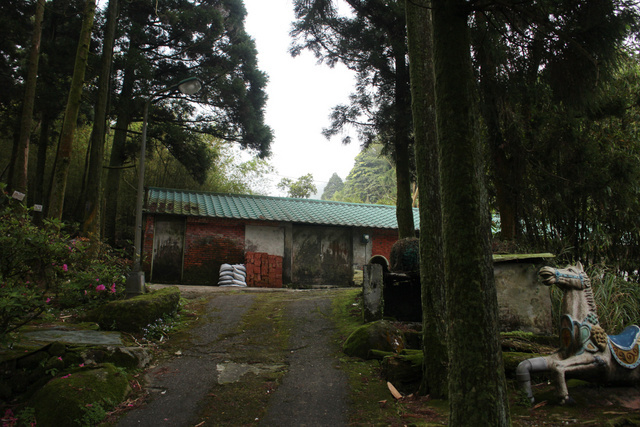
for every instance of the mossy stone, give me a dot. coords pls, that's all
(132, 315)
(63, 400)
(380, 335)
(33, 360)
(57, 349)
(404, 370)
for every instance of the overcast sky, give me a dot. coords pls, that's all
(301, 95)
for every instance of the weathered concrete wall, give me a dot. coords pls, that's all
(168, 246)
(322, 256)
(361, 249)
(524, 303)
(265, 239)
(311, 255)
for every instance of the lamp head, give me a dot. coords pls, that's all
(190, 86)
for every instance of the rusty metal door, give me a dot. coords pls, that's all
(168, 250)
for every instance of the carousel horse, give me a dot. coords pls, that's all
(586, 351)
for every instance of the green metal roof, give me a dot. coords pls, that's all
(303, 211)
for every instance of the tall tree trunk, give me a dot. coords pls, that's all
(41, 163)
(91, 211)
(434, 326)
(504, 179)
(404, 201)
(477, 387)
(63, 157)
(118, 153)
(20, 169)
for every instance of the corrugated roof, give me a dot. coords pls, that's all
(304, 211)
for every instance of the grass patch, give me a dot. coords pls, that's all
(370, 401)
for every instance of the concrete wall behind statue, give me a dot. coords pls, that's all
(524, 303)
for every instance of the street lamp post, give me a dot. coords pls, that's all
(135, 280)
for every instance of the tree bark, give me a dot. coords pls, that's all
(118, 152)
(63, 158)
(404, 201)
(477, 387)
(91, 211)
(434, 327)
(20, 168)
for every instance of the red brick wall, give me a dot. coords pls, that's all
(382, 241)
(210, 243)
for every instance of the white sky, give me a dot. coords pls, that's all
(301, 95)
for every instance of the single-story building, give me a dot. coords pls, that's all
(188, 235)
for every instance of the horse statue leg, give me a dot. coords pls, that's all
(524, 371)
(573, 366)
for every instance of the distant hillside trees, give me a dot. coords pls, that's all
(371, 180)
(334, 185)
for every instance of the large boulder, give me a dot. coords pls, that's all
(381, 335)
(134, 314)
(80, 397)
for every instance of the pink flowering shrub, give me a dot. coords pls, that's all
(30, 265)
(92, 280)
(42, 267)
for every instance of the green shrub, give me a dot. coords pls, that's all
(41, 266)
(32, 264)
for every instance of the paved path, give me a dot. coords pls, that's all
(312, 392)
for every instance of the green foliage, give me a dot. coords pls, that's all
(302, 188)
(334, 185)
(371, 180)
(93, 414)
(42, 266)
(31, 265)
(94, 276)
(582, 180)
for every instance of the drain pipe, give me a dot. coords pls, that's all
(524, 371)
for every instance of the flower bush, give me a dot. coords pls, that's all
(41, 267)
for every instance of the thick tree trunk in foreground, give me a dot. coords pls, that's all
(434, 379)
(63, 158)
(477, 387)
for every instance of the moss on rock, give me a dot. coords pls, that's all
(63, 401)
(131, 315)
(380, 335)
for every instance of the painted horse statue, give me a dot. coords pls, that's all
(586, 351)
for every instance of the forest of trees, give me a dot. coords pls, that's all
(556, 102)
(529, 111)
(74, 133)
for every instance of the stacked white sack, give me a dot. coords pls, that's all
(232, 275)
